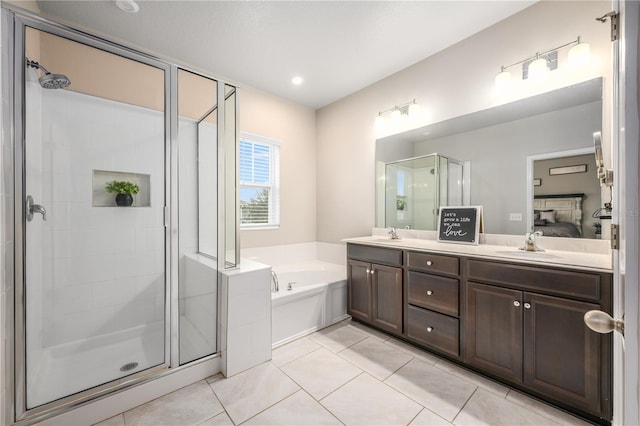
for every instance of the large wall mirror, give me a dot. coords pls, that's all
(531, 154)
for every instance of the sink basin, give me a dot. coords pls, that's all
(528, 254)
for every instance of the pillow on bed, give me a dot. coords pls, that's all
(540, 222)
(548, 215)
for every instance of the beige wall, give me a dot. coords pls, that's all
(295, 127)
(456, 81)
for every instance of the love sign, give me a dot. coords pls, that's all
(460, 224)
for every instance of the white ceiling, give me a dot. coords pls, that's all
(338, 47)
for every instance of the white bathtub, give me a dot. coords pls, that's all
(313, 295)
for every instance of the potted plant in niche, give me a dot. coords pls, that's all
(124, 190)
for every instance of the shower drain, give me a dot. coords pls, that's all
(129, 366)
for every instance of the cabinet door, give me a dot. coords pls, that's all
(387, 297)
(359, 295)
(493, 330)
(562, 355)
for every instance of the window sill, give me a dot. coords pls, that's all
(258, 228)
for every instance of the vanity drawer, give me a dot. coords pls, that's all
(433, 329)
(433, 292)
(433, 263)
(375, 254)
(582, 285)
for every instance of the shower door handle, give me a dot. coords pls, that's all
(34, 208)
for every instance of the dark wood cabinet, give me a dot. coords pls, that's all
(387, 297)
(375, 290)
(493, 330)
(539, 342)
(562, 357)
(519, 323)
(360, 291)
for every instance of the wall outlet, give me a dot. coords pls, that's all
(516, 217)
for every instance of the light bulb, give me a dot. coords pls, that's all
(579, 55)
(503, 81)
(538, 69)
(395, 117)
(414, 111)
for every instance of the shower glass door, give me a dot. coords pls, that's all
(94, 247)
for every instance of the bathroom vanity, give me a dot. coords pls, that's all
(513, 316)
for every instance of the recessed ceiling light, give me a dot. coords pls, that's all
(297, 80)
(129, 6)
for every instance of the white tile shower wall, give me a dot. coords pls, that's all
(106, 264)
(246, 317)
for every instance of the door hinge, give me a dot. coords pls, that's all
(615, 236)
(615, 28)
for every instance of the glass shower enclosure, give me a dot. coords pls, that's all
(411, 191)
(111, 292)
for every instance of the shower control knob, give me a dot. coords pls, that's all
(429, 292)
(429, 329)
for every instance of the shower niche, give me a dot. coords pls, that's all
(411, 191)
(101, 198)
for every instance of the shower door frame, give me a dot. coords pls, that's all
(15, 22)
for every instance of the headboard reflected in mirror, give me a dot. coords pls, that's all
(498, 142)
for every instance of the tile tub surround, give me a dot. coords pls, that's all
(594, 255)
(290, 390)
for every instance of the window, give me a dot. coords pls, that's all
(259, 182)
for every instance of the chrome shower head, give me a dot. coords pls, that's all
(48, 80)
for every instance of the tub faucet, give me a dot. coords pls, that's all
(275, 287)
(393, 233)
(530, 241)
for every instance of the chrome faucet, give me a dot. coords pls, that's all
(530, 241)
(275, 287)
(393, 233)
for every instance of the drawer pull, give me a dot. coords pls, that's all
(429, 329)
(527, 305)
(429, 263)
(429, 292)
(516, 303)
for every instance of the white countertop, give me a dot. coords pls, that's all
(601, 262)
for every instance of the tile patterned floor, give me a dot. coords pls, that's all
(346, 374)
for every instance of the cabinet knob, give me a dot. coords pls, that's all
(516, 303)
(429, 292)
(372, 272)
(429, 329)
(368, 271)
(527, 305)
(429, 263)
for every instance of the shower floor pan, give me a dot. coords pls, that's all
(73, 367)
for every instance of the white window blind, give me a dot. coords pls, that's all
(259, 182)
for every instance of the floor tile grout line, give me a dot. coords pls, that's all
(464, 405)
(224, 409)
(325, 408)
(301, 356)
(339, 387)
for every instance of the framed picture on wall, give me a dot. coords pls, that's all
(580, 168)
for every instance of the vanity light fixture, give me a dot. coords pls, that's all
(539, 65)
(397, 114)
